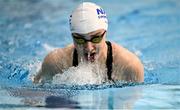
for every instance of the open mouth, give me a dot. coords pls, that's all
(90, 56)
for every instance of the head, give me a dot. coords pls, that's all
(88, 24)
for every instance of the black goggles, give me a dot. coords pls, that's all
(79, 39)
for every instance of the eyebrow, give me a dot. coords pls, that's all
(97, 33)
(77, 35)
(94, 34)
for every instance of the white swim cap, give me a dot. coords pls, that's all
(88, 17)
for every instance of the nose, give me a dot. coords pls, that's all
(88, 46)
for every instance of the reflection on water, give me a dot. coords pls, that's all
(109, 99)
(67, 98)
(59, 102)
(160, 97)
(134, 97)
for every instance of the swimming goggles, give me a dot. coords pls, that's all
(79, 39)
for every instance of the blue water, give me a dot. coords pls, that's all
(29, 29)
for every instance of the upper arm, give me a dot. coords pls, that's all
(134, 73)
(128, 65)
(49, 67)
(55, 62)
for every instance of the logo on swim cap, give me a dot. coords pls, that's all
(101, 13)
(88, 17)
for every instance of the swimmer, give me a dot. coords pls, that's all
(88, 24)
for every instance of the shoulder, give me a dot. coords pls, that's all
(127, 62)
(55, 62)
(59, 53)
(58, 59)
(122, 54)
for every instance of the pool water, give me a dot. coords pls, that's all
(29, 29)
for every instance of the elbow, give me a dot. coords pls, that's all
(135, 74)
(139, 73)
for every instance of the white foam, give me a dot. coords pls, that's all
(48, 47)
(84, 73)
(33, 68)
(138, 53)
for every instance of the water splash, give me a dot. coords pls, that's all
(48, 47)
(84, 73)
(70, 87)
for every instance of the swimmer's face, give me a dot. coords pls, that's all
(90, 45)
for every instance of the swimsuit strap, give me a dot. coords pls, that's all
(75, 58)
(108, 61)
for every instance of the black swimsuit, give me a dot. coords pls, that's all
(108, 61)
